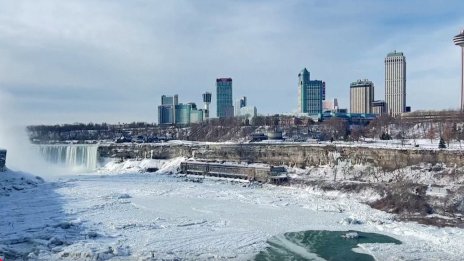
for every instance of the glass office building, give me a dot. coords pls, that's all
(166, 111)
(183, 114)
(311, 93)
(225, 108)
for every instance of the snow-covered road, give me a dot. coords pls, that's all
(139, 216)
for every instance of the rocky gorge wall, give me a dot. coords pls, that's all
(297, 155)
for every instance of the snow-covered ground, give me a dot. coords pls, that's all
(135, 215)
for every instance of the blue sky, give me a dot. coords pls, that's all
(69, 61)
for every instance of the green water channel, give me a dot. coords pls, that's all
(321, 245)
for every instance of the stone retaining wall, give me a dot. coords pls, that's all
(288, 154)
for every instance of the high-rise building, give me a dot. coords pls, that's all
(196, 115)
(207, 101)
(171, 112)
(183, 113)
(459, 41)
(240, 103)
(395, 83)
(311, 93)
(361, 96)
(225, 109)
(166, 111)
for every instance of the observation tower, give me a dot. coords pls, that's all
(207, 101)
(459, 41)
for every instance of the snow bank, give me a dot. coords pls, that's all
(171, 166)
(15, 181)
(138, 166)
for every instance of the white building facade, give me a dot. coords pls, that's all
(361, 96)
(395, 83)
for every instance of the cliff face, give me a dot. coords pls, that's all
(291, 155)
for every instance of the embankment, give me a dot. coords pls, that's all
(296, 155)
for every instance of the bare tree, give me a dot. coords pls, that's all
(336, 127)
(357, 132)
(449, 132)
(431, 133)
(380, 125)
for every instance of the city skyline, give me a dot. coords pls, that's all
(63, 61)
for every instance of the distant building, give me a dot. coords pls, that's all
(207, 101)
(248, 112)
(166, 111)
(170, 100)
(330, 105)
(196, 116)
(188, 113)
(171, 112)
(395, 83)
(379, 107)
(240, 103)
(311, 93)
(361, 96)
(183, 114)
(351, 118)
(225, 109)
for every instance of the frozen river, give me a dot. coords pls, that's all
(145, 216)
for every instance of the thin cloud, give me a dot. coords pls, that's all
(66, 61)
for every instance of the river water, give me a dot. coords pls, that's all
(322, 245)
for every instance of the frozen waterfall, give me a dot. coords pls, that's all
(75, 156)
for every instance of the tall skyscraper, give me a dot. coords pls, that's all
(225, 109)
(395, 83)
(240, 103)
(361, 96)
(459, 41)
(167, 111)
(311, 93)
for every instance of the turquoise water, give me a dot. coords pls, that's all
(320, 245)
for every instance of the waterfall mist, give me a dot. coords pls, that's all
(21, 155)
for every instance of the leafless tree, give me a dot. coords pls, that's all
(336, 128)
(431, 133)
(449, 132)
(357, 132)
